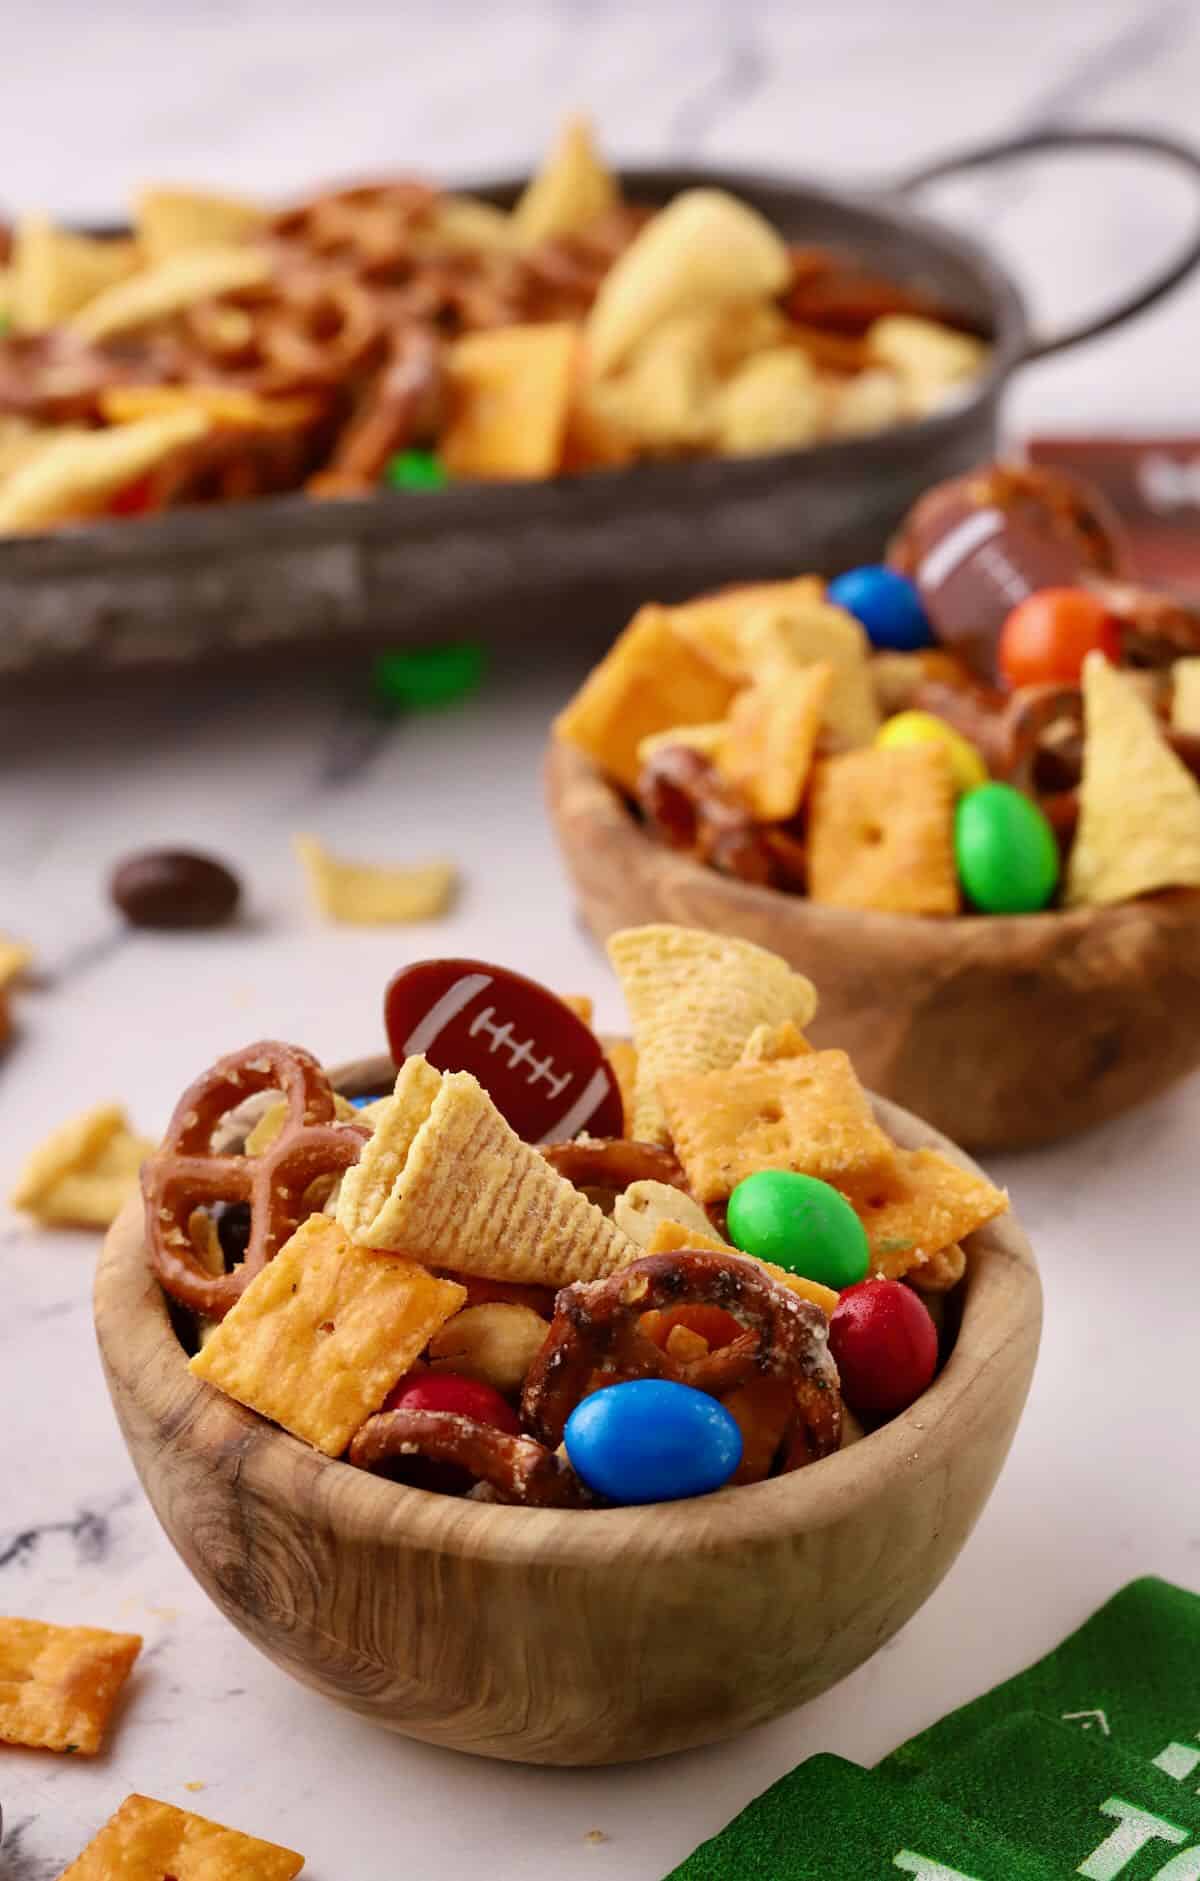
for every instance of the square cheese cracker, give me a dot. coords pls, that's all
(694, 1000)
(808, 1114)
(84, 1172)
(322, 1334)
(152, 1841)
(771, 736)
(917, 1211)
(59, 1684)
(881, 831)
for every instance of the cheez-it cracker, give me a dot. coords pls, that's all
(916, 1211)
(59, 1684)
(322, 1334)
(152, 1841)
(808, 1114)
(772, 733)
(649, 681)
(881, 831)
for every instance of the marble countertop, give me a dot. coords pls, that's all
(1095, 1491)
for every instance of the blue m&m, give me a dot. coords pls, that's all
(652, 1441)
(888, 606)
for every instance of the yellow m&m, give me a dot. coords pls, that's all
(919, 728)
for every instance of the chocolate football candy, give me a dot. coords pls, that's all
(543, 1068)
(174, 888)
(979, 545)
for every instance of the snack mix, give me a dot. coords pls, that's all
(395, 334)
(535, 1267)
(992, 722)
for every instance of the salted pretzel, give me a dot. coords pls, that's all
(595, 1339)
(614, 1162)
(186, 1173)
(518, 1469)
(402, 404)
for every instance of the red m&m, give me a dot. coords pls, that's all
(885, 1346)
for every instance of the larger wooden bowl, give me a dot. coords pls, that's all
(570, 1638)
(1004, 1031)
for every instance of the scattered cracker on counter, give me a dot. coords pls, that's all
(465, 1291)
(85, 1172)
(147, 1841)
(364, 894)
(60, 1684)
(15, 959)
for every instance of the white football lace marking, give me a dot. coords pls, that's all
(572, 1121)
(521, 1053)
(953, 550)
(448, 1007)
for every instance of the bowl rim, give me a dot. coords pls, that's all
(142, 1356)
(566, 766)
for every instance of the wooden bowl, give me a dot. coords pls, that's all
(567, 1637)
(1004, 1031)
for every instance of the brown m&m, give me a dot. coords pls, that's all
(542, 1067)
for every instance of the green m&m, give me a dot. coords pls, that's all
(802, 1224)
(415, 470)
(1005, 850)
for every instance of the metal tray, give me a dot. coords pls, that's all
(542, 562)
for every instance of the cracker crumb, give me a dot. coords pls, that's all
(596, 1836)
(195, 1787)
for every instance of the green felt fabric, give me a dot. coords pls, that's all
(1137, 1661)
(1082, 1805)
(831, 1821)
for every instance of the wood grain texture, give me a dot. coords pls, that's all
(1003, 1031)
(562, 1637)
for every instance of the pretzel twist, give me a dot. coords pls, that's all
(519, 1469)
(595, 1337)
(186, 1173)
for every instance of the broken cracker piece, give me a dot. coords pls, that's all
(179, 281)
(573, 187)
(670, 1237)
(84, 1173)
(807, 1114)
(324, 1331)
(771, 736)
(363, 894)
(79, 472)
(54, 272)
(768, 1042)
(694, 999)
(510, 395)
(59, 1684)
(152, 1841)
(1139, 805)
(881, 831)
(446, 1180)
(649, 681)
(172, 221)
(917, 1210)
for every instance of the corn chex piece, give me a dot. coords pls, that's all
(772, 734)
(54, 272)
(77, 473)
(266, 1130)
(670, 1237)
(365, 894)
(1139, 805)
(666, 399)
(510, 393)
(808, 1114)
(59, 1684)
(178, 282)
(650, 680)
(704, 249)
(930, 359)
(1185, 696)
(573, 187)
(84, 1172)
(172, 221)
(775, 401)
(152, 1841)
(768, 1042)
(322, 1334)
(694, 999)
(446, 1180)
(881, 831)
(918, 1209)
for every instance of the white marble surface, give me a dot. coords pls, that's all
(1097, 1489)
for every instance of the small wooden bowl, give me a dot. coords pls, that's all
(567, 1637)
(1004, 1031)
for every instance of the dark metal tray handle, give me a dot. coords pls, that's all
(986, 156)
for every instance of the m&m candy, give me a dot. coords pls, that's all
(919, 728)
(885, 1346)
(415, 470)
(449, 1391)
(888, 605)
(1046, 639)
(652, 1441)
(800, 1223)
(425, 677)
(1005, 849)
